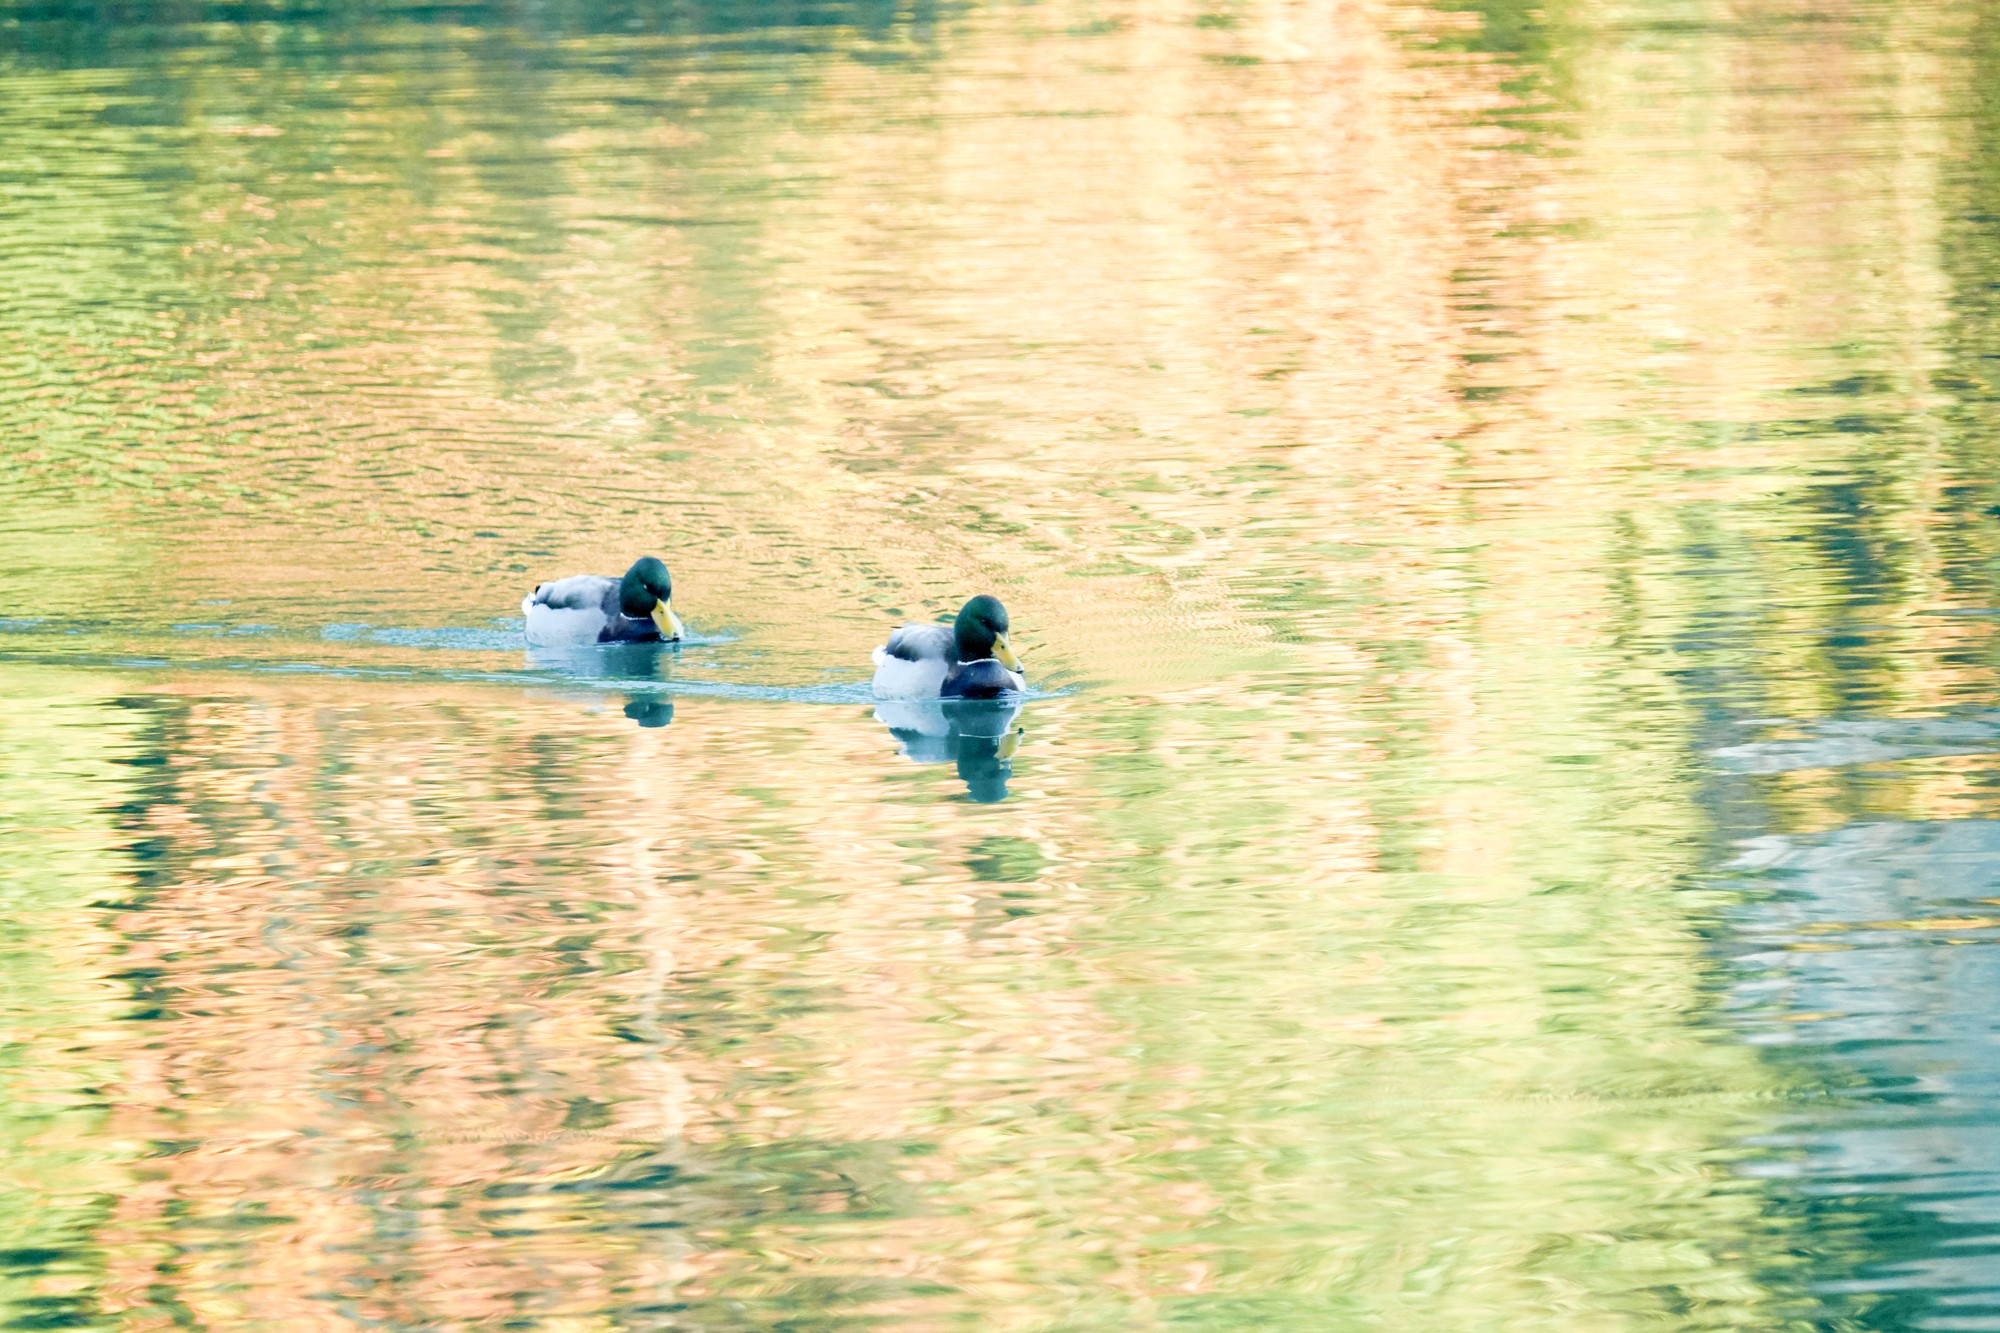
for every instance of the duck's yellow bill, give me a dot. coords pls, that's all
(669, 623)
(1005, 655)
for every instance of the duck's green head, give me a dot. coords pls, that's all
(981, 630)
(648, 590)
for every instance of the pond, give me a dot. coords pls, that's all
(1500, 507)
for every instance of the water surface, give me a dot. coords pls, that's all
(1499, 505)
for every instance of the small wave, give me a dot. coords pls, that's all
(224, 631)
(502, 636)
(449, 637)
(1852, 742)
(631, 669)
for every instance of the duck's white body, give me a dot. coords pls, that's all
(914, 663)
(571, 610)
(550, 626)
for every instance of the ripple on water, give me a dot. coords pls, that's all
(1430, 432)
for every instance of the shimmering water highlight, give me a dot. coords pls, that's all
(1498, 504)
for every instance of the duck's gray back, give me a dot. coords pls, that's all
(581, 592)
(923, 643)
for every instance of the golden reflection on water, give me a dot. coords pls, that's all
(1420, 435)
(457, 1007)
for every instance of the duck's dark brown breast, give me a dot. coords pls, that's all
(984, 679)
(624, 629)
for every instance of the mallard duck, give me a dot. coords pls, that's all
(596, 608)
(968, 659)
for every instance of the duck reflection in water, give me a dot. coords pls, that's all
(649, 710)
(978, 735)
(592, 663)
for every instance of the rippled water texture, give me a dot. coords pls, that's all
(1501, 507)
